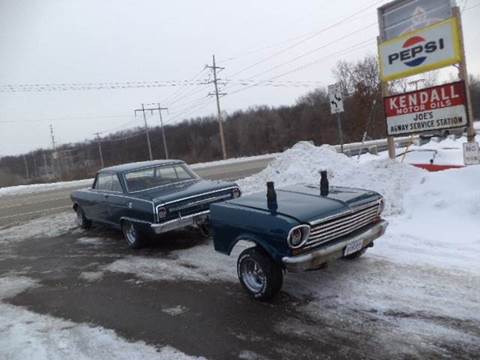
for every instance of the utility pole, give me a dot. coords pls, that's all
(100, 153)
(160, 109)
(52, 135)
(45, 165)
(214, 69)
(35, 167)
(54, 154)
(146, 130)
(27, 172)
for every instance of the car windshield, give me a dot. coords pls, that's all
(152, 177)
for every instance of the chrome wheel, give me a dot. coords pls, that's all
(130, 234)
(79, 217)
(253, 276)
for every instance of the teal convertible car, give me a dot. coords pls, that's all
(149, 198)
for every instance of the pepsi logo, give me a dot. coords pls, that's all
(415, 51)
(410, 43)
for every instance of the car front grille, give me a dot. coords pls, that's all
(342, 225)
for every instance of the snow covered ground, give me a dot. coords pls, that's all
(416, 290)
(26, 335)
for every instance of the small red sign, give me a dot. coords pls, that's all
(439, 107)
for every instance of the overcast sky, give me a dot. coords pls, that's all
(91, 41)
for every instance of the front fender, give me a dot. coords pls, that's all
(231, 224)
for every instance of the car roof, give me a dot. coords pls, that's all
(139, 165)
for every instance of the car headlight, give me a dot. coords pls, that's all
(381, 206)
(236, 193)
(162, 213)
(298, 235)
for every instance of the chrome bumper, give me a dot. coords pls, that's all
(181, 222)
(318, 257)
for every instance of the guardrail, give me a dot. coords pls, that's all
(374, 146)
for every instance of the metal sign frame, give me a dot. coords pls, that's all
(399, 13)
(454, 59)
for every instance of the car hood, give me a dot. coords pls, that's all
(182, 190)
(304, 203)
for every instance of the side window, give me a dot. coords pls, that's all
(116, 186)
(104, 182)
(182, 174)
(166, 172)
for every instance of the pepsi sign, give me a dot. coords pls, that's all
(423, 50)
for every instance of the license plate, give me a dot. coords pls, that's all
(353, 247)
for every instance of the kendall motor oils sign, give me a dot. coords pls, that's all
(437, 108)
(430, 48)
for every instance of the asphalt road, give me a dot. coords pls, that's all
(16, 209)
(217, 319)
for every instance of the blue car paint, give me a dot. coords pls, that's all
(111, 208)
(249, 217)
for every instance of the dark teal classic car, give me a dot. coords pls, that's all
(150, 197)
(296, 228)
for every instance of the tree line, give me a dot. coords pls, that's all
(254, 131)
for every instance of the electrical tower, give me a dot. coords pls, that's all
(214, 69)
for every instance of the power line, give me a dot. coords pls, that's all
(179, 91)
(341, 52)
(261, 48)
(315, 34)
(310, 52)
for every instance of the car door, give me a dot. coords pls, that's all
(116, 201)
(102, 189)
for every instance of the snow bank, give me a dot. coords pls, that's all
(441, 226)
(38, 188)
(50, 226)
(200, 263)
(26, 335)
(303, 162)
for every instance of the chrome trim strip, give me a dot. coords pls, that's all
(346, 212)
(123, 196)
(314, 259)
(189, 197)
(352, 224)
(135, 220)
(319, 229)
(157, 187)
(177, 223)
(201, 202)
(337, 235)
(194, 196)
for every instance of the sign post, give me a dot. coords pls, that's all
(471, 153)
(463, 74)
(336, 108)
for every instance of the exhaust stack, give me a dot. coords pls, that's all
(324, 186)
(271, 196)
